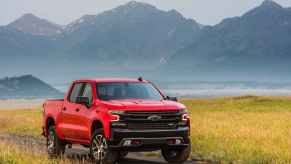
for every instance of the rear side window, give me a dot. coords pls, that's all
(75, 92)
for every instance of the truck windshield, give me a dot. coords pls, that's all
(123, 91)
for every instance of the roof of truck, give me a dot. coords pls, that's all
(110, 80)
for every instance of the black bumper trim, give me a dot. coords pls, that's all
(151, 139)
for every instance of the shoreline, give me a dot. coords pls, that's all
(10, 104)
(30, 103)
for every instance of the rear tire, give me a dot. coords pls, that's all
(99, 150)
(55, 146)
(177, 156)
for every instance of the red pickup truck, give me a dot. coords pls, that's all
(112, 117)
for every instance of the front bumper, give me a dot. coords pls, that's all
(149, 139)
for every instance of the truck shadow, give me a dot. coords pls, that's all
(135, 161)
(82, 156)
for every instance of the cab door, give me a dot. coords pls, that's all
(84, 113)
(68, 115)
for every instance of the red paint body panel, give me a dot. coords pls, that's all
(75, 126)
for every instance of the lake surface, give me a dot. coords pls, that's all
(216, 89)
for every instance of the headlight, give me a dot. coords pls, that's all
(185, 115)
(115, 115)
(116, 112)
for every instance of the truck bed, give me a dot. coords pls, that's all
(53, 106)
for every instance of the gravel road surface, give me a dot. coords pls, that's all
(79, 154)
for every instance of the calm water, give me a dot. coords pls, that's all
(217, 89)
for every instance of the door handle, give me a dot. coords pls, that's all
(64, 108)
(77, 110)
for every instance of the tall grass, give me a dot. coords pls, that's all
(241, 130)
(13, 154)
(21, 122)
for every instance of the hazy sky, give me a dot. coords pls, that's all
(207, 12)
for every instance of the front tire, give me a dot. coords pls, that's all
(177, 156)
(55, 146)
(99, 150)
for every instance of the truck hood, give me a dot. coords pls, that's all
(143, 105)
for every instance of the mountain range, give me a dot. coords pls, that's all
(138, 37)
(255, 45)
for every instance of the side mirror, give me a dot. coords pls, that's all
(171, 98)
(83, 100)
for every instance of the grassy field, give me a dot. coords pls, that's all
(21, 122)
(243, 130)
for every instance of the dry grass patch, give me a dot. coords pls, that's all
(15, 154)
(25, 122)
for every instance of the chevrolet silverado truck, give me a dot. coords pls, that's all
(112, 117)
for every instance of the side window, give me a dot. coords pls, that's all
(75, 92)
(87, 92)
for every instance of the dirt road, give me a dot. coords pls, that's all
(79, 154)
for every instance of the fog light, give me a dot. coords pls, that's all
(132, 142)
(178, 142)
(127, 143)
(174, 141)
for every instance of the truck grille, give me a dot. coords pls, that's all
(151, 119)
(137, 126)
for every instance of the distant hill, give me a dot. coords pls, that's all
(26, 86)
(34, 25)
(255, 45)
